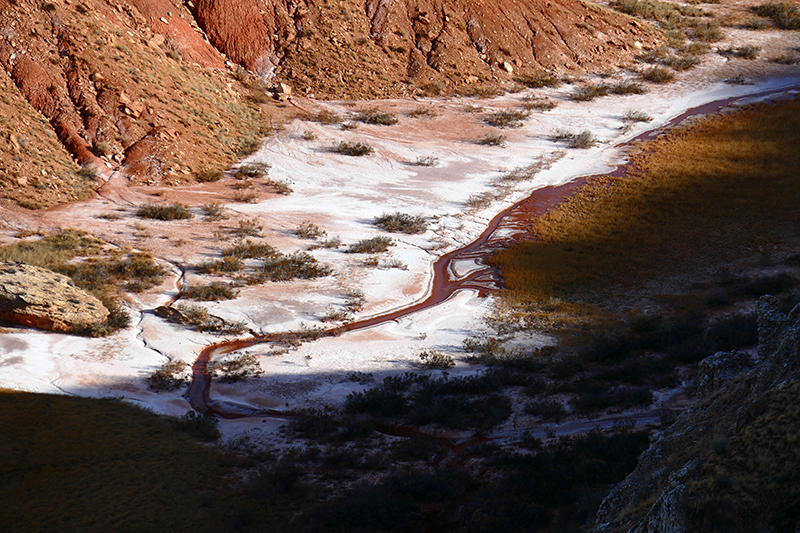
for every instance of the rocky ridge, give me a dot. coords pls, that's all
(40, 298)
(730, 462)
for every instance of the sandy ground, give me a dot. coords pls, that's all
(343, 195)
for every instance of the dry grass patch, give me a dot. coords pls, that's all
(725, 188)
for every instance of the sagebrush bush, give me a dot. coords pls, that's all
(169, 376)
(308, 230)
(786, 15)
(252, 171)
(175, 211)
(247, 249)
(589, 92)
(214, 291)
(657, 75)
(493, 139)
(374, 116)
(354, 149)
(507, 118)
(538, 79)
(480, 91)
(436, 359)
(374, 245)
(296, 265)
(209, 175)
(402, 223)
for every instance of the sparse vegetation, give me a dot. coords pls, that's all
(507, 118)
(480, 91)
(493, 139)
(171, 375)
(214, 291)
(426, 161)
(198, 317)
(252, 171)
(308, 230)
(745, 51)
(435, 359)
(236, 366)
(636, 115)
(657, 75)
(214, 211)
(209, 175)
(423, 112)
(584, 139)
(785, 15)
(530, 103)
(374, 116)
(354, 149)
(247, 228)
(374, 245)
(402, 223)
(326, 117)
(175, 211)
(287, 267)
(539, 79)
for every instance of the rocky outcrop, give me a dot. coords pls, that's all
(729, 462)
(40, 298)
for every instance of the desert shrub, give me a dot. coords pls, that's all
(374, 245)
(116, 320)
(245, 197)
(538, 79)
(209, 175)
(169, 376)
(308, 230)
(707, 32)
(657, 75)
(430, 89)
(297, 265)
(236, 366)
(584, 139)
(281, 186)
(202, 426)
(355, 300)
(214, 291)
(394, 262)
(790, 58)
(333, 242)
(683, 62)
(138, 270)
(423, 112)
(252, 171)
(530, 103)
(308, 135)
(635, 115)
(247, 249)
(402, 223)
(746, 51)
(589, 92)
(200, 319)
(247, 228)
(480, 91)
(426, 161)
(377, 402)
(353, 149)
(493, 139)
(325, 117)
(332, 314)
(373, 116)
(547, 410)
(460, 412)
(785, 14)
(507, 118)
(174, 211)
(436, 359)
(665, 12)
(314, 424)
(220, 266)
(628, 87)
(214, 211)
(480, 200)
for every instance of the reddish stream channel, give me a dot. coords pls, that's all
(513, 220)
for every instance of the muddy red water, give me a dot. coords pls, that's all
(512, 222)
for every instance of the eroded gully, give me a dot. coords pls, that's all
(513, 221)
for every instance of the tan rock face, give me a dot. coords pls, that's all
(40, 298)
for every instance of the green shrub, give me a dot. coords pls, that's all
(353, 149)
(174, 211)
(402, 223)
(373, 116)
(214, 291)
(371, 246)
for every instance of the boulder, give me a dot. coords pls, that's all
(41, 298)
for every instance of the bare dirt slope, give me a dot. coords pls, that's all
(120, 88)
(348, 49)
(136, 85)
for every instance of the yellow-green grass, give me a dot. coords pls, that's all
(79, 464)
(724, 190)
